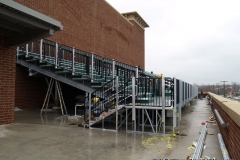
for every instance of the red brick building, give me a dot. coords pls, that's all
(92, 25)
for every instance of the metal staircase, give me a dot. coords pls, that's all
(118, 86)
(89, 70)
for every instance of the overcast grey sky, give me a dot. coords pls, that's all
(197, 41)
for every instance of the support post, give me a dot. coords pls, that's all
(174, 104)
(136, 73)
(180, 100)
(90, 108)
(26, 50)
(56, 56)
(113, 68)
(17, 51)
(133, 103)
(40, 51)
(73, 60)
(113, 72)
(116, 104)
(163, 104)
(92, 63)
(32, 48)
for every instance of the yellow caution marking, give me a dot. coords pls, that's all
(191, 148)
(150, 142)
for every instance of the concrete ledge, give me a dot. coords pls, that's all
(232, 108)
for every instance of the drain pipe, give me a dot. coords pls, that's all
(223, 147)
(198, 150)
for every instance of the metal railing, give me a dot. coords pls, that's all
(79, 63)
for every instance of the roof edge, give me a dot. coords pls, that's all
(137, 18)
(32, 13)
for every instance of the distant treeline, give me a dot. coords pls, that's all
(232, 88)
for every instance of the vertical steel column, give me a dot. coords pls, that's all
(136, 74)
(142, 120)
(183, 93)
(113, 72)
(126, 119)
(163, 104)
(26, 50)
(156, 121)
(17, 51)
(180, 100)
(113, 68)
(56, 56)
(32, 48)
(89, 108)
(116, 104)
(73, 60)
(133, 103)
(40, 51)
(174, 104)
(92, 63)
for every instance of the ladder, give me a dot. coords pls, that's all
(60, 96)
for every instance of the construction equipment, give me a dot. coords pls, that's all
(60, 97)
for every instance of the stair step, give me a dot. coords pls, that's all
(96, 84)
(76, 76)
(46, 65)
(21, 53)
(63, 71)
(30, 59)
(80, 78)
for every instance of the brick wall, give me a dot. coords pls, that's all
(94, 26)
(231, 134)
(30, 91)
(7, 82)
(89, 25)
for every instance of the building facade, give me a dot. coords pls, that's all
(93, 26)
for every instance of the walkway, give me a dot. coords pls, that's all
(30, 138)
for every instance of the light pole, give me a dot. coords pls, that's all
(224, 87)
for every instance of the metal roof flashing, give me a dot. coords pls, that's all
(21, 24)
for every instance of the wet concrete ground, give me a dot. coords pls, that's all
(36, 137)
